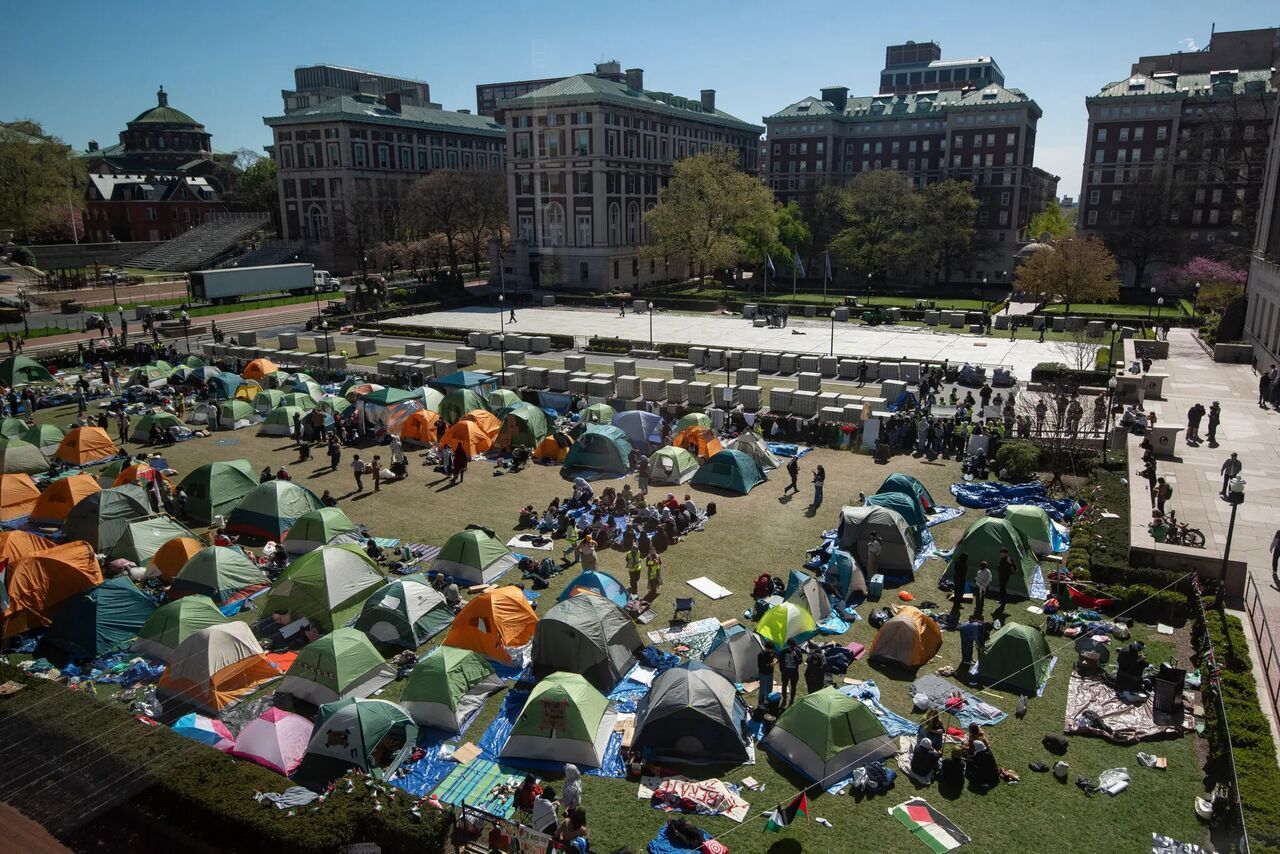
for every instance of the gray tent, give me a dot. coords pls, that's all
(102, 518)
(804, 590)
(733, 654)
(692, 714)
(897, 540)
(587, 635)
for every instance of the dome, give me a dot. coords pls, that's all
(1030, 249)
(163, 114)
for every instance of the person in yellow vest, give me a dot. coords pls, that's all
(653, 564)
(571, 545)
(633, 567)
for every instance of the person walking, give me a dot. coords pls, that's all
(764, 668)
(981, 581)
(1004, 573)
(793, 471)
(460, 460)
(1275, 556)
(819, 480)
(1230, 468)
(653, 566)
(1215, 418)
(512, 318)
(377, 473)
(789, 661)
(874, 547)
(335, 453)
(357, 469)
(1161, 494)
(960, 575)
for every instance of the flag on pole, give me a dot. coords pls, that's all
(796, 261)
(826, 273)
(768, 259)
(783, 816)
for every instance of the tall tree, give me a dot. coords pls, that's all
(439, 204)
(1073, 270)
(486, 215)
(1143, 227)
(37, 173)
(711, 213)
(1051, 221)
(258, 189)
(822, 211)
(881, 211)
(790, 236)
(947, 212)
(243, 158)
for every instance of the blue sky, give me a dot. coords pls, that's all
(83, 71)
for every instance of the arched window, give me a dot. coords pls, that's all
(317, 223)
(553, 225)
(647, 232)
(633, 223)
(614, 225)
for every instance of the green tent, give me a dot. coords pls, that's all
(1016, 659)
(407, 612)
(12, 428)
(501, 399)
(335, 403)
(692, 419)
(602, 447)
(142, 427)
(447, 687)
(235, 414)
(982, 541)
(522, 424)
(279, 421)
(564, 720)
(341, 664)
(102, 518)
(267, 400)
(19, 457)
(327, 586)
(730, 470)
(458, 403)
(223, 575)
(302, 401)
(390, 396)
(193, 361)
(908, 506)
(271, 509)
(909, 486)
(298, 381)
(161, 363)
(275, 379)
(101, 620)
(672, 465)
(316, 528)
(1035, 525)
(174, 622)
(46, 437)
(143, 538)
(149, 375)
(213, 489)
(354, 733)
(597, 413)
(306, 387)
(826, 735)
(474, 556)
(19, 370)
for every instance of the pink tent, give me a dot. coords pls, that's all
(277, 740)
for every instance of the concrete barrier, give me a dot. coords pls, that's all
(809, 381)
(288, 341)
(684, 371)
(1235, 354)
(575, 363)
(653, 389)
(558, 379)
(465, 356)
(366, 346)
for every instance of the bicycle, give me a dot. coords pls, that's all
(1182, 534)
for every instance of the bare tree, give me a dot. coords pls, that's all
(486, 215)
(1077, 351)
(1143, 229)
(1054, 419)
(439, 204)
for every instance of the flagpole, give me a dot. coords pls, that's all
(793, 274)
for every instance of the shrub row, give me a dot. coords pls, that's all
(1056, 372)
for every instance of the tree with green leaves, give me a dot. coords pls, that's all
(1051, 221)
(258, 190)
(790, 237)
(947, 212)
(711, 213)
(38, 175)
(1073, 270)
(821, 209)
(881, 212)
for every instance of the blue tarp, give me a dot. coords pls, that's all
(943, 514)
(783, 449)
(869, 693)
(662, 844)
(994, 497)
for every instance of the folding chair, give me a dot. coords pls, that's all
(683, 606)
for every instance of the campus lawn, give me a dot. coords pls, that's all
(780, 293)
(1171, 309)
(763, 532)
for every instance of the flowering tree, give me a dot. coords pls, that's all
(1219, 282)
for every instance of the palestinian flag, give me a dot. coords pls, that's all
(783, 816)
(929, 826)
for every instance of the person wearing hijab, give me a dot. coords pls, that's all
(571, 797)
(582, 492)
(587, 553)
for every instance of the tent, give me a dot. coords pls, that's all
(783, 622)
(236, 415)
(486, 421)
(1015, 659)
(171, 557)
(982, 541)
(223, 575)
(15, 545)
(699, 441)
(430, 398)
(19, 370)
(149, 376)
(1034, 524)
(755, 447)
(21, 457)
(589, 636)
(327, 586)
(46, 437)
(910, 639)
(277, 379)
(467, 436)
(374, 736)
(898, 541)
(474, 556)
(101, 620)
(352, 389)
(84, 445)
(258, 369)
(459, 402)
(267, 400)
(692, 419)
(208, 731)
(214, 489)
(596, 413)
(316, 528)
(826, 735)
(60, 496)
(643, 429)
(500, 399)
(338, 665)
(805, 590)
(271, 509)
(386, 410)
(601, 447)
(730, 470)
(672, 466)
(276, 739)
(553, 448)
(143, 538)
(845, 577)
(494, 623)
(733, 654)
(173, 622)
(227, 386)
(299, 400)
(18, 496)
(279, 421)
(214, 667)
(446, 687)
(564, 720)
(12, 427)
(522, 424)
(906, 506)
(476, 381)
(142, 427)
(594, 582)
(420, 428)
(138, 473)
(692, 714)
(40, 582)
(910, 487)
(406, 612)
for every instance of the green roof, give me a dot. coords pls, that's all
(370, 109)
(914, 104)
(1138, 85)
(165, 116)
(590, 89)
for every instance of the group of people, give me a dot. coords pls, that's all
(563, 818)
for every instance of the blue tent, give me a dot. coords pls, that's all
(844, 577)
(730, 470)
(478, 381)
(224, 385)
(644, 429)
(600, 583)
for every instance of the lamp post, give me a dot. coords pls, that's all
(1235, 497)
(1160, 305)
(502, 331)
(832, 351)
(316, 291)
(324, 330)
(1106, 426)
(1111, 349)
(868, 289)
(1152, 305)
(1195, 300)
(648, 307)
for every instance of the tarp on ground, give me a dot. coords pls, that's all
(826, 735)
(214, 489)
(341, 664)
(173, 622)
(59, 497)
(898, 540)
(327, 586)
(494, 623)
(271, 509)
(84, 445)
(215, 667)
(732, 471)
(993, 497)
(982, 541)
(1094, 708)
(18, 496)
(589, 636)
(909, 639)
(141, 539)
(564, 720)
(21, 457)
(692, 714)
(407, 612)
(40, 582)
(1016, 659)
(222, 574)
(672, 466)
(447, 686)
(474, 556)
(602, 447)
(101, 620)
(643, 428)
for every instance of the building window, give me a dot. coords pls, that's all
(584, 230)
(1124, 134)
(553, 225)
(1093, 217)
(553, 144)
(524, 228)
(584, 271)
(614, 226)
(633, 223)
(286, 157)
(317, 223)
(582, 142)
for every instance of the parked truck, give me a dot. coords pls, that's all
(231, 283)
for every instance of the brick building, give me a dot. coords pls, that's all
(1262, 322)
(919, 67)
(586, 157)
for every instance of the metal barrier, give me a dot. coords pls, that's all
(1262, 636)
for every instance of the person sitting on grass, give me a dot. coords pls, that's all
(982, 770)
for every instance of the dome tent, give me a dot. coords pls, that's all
(982, 541)
(279, 421)
(692, 714)
(846, 578)
(500, 399)
(733, 654)
(553, 448)
(40, 582)
(468, 437)
(494, 623)
(223, 575)
(214, 667)
(141, 539)
(85, 445)
(141, 431)
(59, 497)
(804, 590)
(171, 557)
(595, 582)
(327, 586)
(101, 620)
(474, 556)
(446, 687)
(672, 466)
(1016, 659)
(458, 403)
(316, 528)
(407, 612)
(587, 635)
(910, 487)
(173, 622)
(276, 740)
(699, 441)
(579, 732)
(15, 545)
(21, 457)
(257, 369)
(236, 415)
(826, 735)
(271, 509)
(267, 400)
(206, 730)
(522, 424)
(755, 447)
(341, 664)
(601, 447)
(20, 371)
(12, 428)
(907, 506)
(46, 437)
(692, 419)
(783, 622)
(420, 428)
(214, 489)
(486, 421)
(374, 736)
(733, 471)
(18, 496)
(596, 413)
(1034, 524)
(898, 541)
(643, 429)
(910, 639)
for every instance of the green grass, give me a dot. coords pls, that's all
(1182, 308)
(780, 294)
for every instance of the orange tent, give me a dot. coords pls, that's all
(85, 445)
(420, 428)
(494, 622)
(60, 496)
(699, 441)
(139, 473)
(910, 639)
(15, 545)
(551, 450)
(214, 667)
(258, 369)
(173, 555)
(467, 436)
(18, 495)
(486, 421)
(40, 582)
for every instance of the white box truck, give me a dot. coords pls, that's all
(231, 283)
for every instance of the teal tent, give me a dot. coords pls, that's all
(271, 509)
(602, 447)
(908, 506)
(102, 518)
(100, 620)
(909, 486)
(476, 381)
(730, 470)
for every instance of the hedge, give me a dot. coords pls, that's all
(1056, 372)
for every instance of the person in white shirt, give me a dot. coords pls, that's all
(981, 581)
(874, 547)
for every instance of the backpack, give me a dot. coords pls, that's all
(879, 778)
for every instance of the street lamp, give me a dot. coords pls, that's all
(324, 330)
(1152, 303)
(868, 289)
(1111, 350)
(1235, 497)
(1195, 299)
(832, 351)
(502, 331)
(1106, 426)
(649, 308)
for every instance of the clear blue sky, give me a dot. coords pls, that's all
(83, 70)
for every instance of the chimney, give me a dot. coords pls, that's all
(465, 112)
(837, 96)
(393, 101)
(635, 79)
(368, 86)
(708, 100)
(93, 145)
(162, 97)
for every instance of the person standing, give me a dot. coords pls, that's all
(1004, 573)
(460, 460)
(1162, 493)
(789, 665)
(819, 480)
(960, 574)
(357, 469)
(874, 547)
(1194, 415)
(1230, 468)
(764, 668)
(793, 471)
(815, 672)
(1215, 418)
(653, 565)
(122, 425)
(642, 475)
(571, 544)
(335, 453)
(1275, 554)
(981, 581)
(377, 473)
(634, 561)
